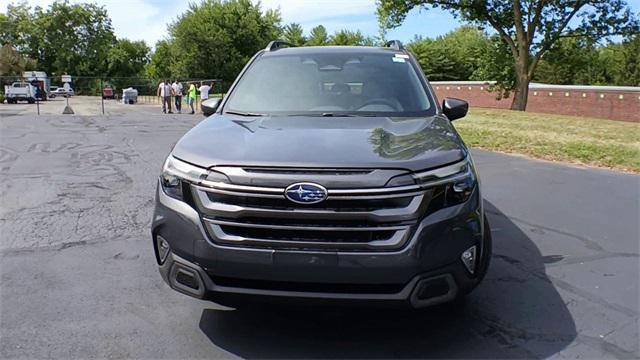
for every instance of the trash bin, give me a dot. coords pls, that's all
(129, 96)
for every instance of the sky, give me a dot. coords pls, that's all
(148, 19)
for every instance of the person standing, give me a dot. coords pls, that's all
(204, 92)
(192, 96)
(164, 92)
(177, 92)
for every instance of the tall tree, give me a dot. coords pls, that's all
(294, 34)
(348, 37)
(453, 56)
(568, 62)
(127, 58)
(496, 64)
(620, 63)
(216, 38)
(162, 62)
(11, 62)
(64, 38)
(19, 28)
(318, 36)
(528, 27)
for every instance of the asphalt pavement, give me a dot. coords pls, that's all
(78, 277)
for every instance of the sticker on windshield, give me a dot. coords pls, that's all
(397, 59)
(403, 56)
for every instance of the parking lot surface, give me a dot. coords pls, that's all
(80, 105)
(78, 277)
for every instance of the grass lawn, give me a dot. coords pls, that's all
(587, 141)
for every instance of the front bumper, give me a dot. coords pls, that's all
(430, 259)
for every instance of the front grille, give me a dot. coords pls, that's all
(362, 219)
(334, 205)
(308, 235)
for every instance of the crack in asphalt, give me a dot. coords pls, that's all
(568, 287)
(60, 247)
(509, 336)
(590, 258)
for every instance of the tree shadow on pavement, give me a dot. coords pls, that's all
(515, 313)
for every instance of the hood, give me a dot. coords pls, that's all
(327, 142)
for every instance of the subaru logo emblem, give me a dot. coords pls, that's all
(305, 193)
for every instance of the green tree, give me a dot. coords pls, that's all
(569, 62)
(348, 37)
(294, 34)
(127, 58)
(11, 62)
(496, 64)
(620, 63)
(529, 28)
(631, 72)
(77, 38)
(318, 36)
(162, 61)
(215, 39)
(65, 38)
(435, 60)
(20, 29)
(454, 56)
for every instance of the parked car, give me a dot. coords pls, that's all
(20, 91)
(108, 93)
(62, 92)
(327, 174)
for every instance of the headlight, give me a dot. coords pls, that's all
(455, 182)
(176, 175)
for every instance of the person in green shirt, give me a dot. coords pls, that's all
(192, 96)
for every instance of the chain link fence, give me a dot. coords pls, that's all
(37, 93)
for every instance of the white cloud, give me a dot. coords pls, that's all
(303, 11)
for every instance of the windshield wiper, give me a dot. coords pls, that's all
(243, 113)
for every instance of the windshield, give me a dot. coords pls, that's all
(338, 84)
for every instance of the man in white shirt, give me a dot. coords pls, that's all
(204, 92)
(164, 92)
(177, 92)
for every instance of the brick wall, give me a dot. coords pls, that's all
(606, 102)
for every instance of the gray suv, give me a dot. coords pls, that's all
(327, 174)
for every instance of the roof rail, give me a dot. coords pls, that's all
(394, 44)
(277, 44)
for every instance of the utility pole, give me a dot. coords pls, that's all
(36, 94)
(101, 95)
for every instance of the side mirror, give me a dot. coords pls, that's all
(210, 106)
(454, 108)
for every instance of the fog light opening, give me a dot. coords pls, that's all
(188, 279)
(469, 259)
(163, 248)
